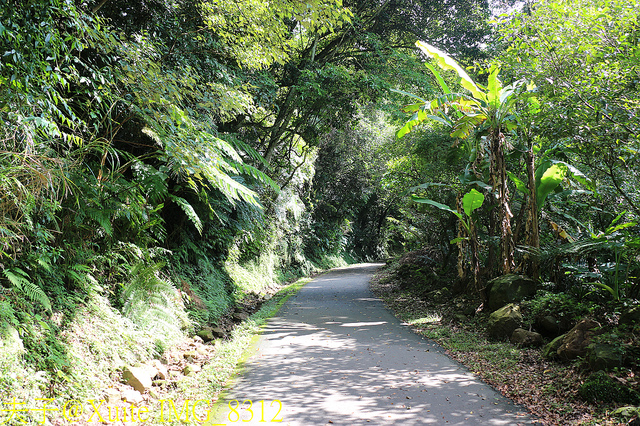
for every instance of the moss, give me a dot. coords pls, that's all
(601, 387)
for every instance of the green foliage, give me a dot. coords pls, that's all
(561, 304)
(600, 387)
(21, 281)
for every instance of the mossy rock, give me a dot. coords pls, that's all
(626, 413)
(509, 288)
(504, 321)
(601, 387)
(551, 349)
(604, 356)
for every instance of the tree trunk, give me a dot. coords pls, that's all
(533, 230)
(499, 184)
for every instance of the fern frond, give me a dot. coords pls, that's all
(145, 289)
(189, 211)
(21, 281)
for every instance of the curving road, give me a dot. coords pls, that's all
(334, 355)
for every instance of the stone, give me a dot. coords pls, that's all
(160, 370)
(461, 318)
(522, 337)
(504, 321)
(190, 355)
(198, 339)
(575, 342)
(630, 316)
(112, 396)
(191, 369)
(132, 396)
(548, 325)
(551, 349)
(604, 356)
(240, 316)
(154, 394)
(509, 288)
(206, 334)
(138, 378)
(626, 413)
(218, 332)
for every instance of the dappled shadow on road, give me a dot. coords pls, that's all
(334, 355)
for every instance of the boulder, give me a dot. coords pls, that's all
(206, 334)
(548, 325)
(604, 356)
(551, 349)
(575, 342)
(522, 337)
(140, 378)
(630, 316)
(509, 288)
(504, 321)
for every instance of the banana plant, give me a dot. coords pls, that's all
(471, 201)
(486, 111)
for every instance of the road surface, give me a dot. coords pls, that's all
(334, 355)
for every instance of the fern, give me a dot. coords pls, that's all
(20, 280)
(189, 211)
(146, 292)
(102, 217)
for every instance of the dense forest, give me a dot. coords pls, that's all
(164, 162)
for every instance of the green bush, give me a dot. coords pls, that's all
(601, 387)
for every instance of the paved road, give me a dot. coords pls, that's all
(334, 355)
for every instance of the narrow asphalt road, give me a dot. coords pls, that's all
(334, 355)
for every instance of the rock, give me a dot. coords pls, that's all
(191, 369)
(132, 396)
(504, 321)
(154, 394)
(509, 288)
(575, 342)
(240, 316)
(206, 334)
(524, 337)
(551, 349)
(461, 318)
(203, 350)
(604, 356)
(112, 396)
(160, 383)
(190, 355)
(218, 332)
(138, 377)
(630, 316)
(198, 339)
(160, 370)
(548, 325)
(599, 386)
(626, 413)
